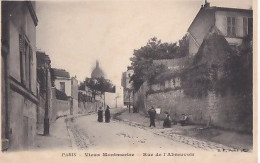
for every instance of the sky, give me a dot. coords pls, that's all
(77, 33)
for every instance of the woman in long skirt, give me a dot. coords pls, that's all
(107, 115)
(100, 114)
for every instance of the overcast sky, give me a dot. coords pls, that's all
(76, 34)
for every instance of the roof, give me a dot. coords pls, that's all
(61, 73)
(250, 11)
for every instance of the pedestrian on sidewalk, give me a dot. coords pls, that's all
(152, 114)
(100, 114)
(107, 114)
(167, 121)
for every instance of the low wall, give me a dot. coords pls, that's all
(40, 115)
(62, 107)
(85, 107)
(227, 112)
(75, 106)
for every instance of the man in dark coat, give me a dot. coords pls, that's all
(100, 114)
(152, 114)
(107, 115)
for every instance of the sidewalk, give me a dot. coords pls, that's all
(58, 138)
(61, 136)
(226, 138)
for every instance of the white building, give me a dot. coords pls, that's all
(234, 24)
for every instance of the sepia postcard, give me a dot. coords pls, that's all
(129, 81)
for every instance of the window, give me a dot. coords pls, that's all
(250, 26)
(231, 26)
(245, 26)
(25, 51)
(62, 86)
(22, 59)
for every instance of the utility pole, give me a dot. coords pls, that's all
(104, 100)
(129, 93)
(46, 114)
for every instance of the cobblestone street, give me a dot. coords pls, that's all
(168, 133)
(86, 132)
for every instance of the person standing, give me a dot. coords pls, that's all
(100, 114)
(167, 121)
(152, 114)
(107, 115)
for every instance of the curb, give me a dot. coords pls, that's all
(71, 135)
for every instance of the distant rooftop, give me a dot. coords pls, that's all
(61, 73)
(42, 57)
(97, 72)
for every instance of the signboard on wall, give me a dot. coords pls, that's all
(158, 110)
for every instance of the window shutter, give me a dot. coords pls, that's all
(22, 62)
(228, 26)
(233, 26)
(21, 43)
(31, 55)
(245, 25)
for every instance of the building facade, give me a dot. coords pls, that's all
(234, 24)
(62, 81)
(68, 85)
(19, 94)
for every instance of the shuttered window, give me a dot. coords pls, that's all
(26, 60)
(22, 59)
(245, 26)
(231, 26)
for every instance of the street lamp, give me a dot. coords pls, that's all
(46, 114)
(129, 97)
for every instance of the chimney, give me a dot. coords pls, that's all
(207, 4)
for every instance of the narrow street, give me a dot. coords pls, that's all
(88, 133)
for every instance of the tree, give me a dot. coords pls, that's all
(238, 70)
(142, 61)
(183, 49)
(98, 86)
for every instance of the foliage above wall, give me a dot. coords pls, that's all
(60, 95)
(150, 91)
(142, 61)
(238, 71)
(97, 85)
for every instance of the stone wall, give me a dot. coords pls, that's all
(85, 107)
(227, 112)
(40, 115)
(62, 107)
(22, 122)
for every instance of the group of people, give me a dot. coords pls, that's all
(107, 114)
(167, 120)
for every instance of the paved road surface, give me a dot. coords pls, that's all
(91, 134)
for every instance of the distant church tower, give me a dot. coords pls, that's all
(97, 72)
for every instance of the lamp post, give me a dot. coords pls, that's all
(129, 103)
(46, 114)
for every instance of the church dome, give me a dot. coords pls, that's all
(97, 72)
